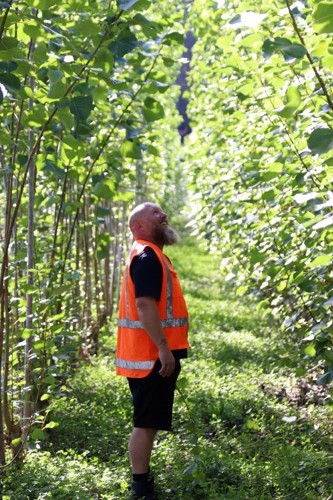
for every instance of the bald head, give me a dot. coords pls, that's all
(139, 214)
(147, 221)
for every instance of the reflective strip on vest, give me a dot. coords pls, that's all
(169, 311)
(166, 323)
(135, 365)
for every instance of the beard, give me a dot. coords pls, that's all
(166, 235)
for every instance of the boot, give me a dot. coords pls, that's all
(144, 489)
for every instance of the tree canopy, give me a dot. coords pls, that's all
(261, 157)
(88, 100)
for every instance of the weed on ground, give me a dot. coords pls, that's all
(244, 426)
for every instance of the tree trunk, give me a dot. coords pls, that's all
(27, 406)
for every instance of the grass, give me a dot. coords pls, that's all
(244, 426)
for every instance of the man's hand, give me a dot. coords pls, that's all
(149, 317)
(167, 361)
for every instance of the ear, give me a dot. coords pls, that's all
(137, 226)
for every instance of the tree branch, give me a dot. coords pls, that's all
(309, 57)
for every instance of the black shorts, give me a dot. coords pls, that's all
(153, 398)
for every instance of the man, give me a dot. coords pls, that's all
(152, 336)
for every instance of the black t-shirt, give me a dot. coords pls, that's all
(147, 275)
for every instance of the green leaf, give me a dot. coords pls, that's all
(251, 425)
(310, 349)
(15, 442)
(54, 75)
(308, 285)
(7, 43)
(45, 396)
(59, 290)
(293, 102)
(269, 195)
(328, 61)
(327, 378)
(257, 256)
(131, 149)
(51, 425)
(322, 260)
(328, 355)
(127, 196)
(27, 333)
(36, 116)
(126, 4)
(323, 17)
(30, 289)
(51, 167)
(250, 40)
(50, 380)
(156, 86)
(175, 36)
(288, 49)
(124, 44)
(182, 383)
(153, 110)
(11, 82)
(295, 51)
(38, 435)
(81, 107)
(153, 151)
(66, 118)
(26, 92)
(88, 26)
(273, 170)
(57, 90)
(33, 30)
(141, 20)
(8, 66)
(320, 140)
(246, 90)
(104, 189)
(272, 45)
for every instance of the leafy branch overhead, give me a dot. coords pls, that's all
(80, 87)
(88, 99)
(264, 143)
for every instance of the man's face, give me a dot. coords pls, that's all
(158, 227)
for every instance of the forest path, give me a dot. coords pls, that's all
(244, 426)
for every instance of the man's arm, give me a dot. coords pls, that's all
(149, 317)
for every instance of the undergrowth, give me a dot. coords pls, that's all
(244, 426)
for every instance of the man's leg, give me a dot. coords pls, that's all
(140, 447)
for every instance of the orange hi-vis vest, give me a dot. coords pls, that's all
(136, 353)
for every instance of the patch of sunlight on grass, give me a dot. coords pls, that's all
(245, 427)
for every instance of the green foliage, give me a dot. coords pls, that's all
(323, 17)
(244, 427)
(260, 158)
(87, 99)
(78, 85)
(321, 140)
